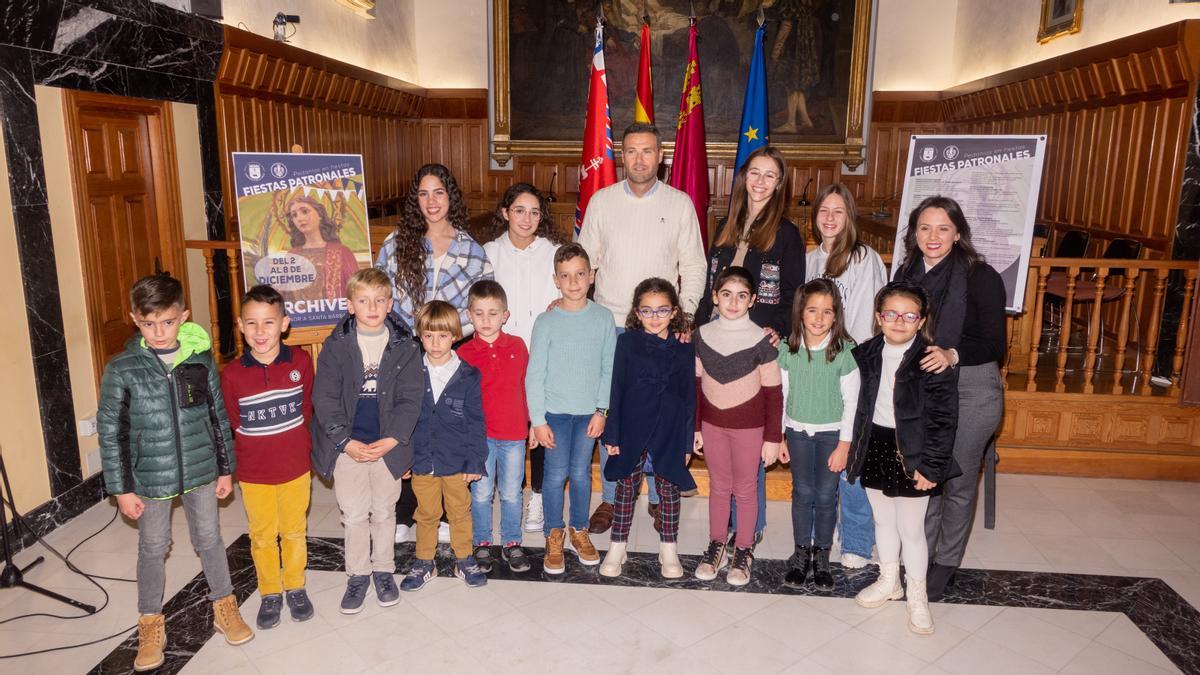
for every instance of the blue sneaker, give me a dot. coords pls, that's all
(418, 575)
(385, 588)
(468, 570)
(356, 592)
(299, 605)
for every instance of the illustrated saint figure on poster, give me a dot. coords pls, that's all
(315, 237)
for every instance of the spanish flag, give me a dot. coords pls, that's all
(689, 167)
(643, 105)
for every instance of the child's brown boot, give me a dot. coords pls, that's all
(227, 619)
(152, 637)
(553, 562)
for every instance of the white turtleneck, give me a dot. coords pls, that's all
(727, 336)
(885, 415)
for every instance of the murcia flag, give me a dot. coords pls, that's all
(689, 168)
(597, 168)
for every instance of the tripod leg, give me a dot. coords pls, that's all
(55, 596)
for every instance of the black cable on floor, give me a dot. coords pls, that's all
(75, 569)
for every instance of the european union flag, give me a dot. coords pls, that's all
(753, 133)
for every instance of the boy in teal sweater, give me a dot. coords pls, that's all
(567, 386)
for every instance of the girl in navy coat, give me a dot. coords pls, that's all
(651, 416)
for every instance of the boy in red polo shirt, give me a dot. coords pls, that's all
(502, 359)
(268, 395)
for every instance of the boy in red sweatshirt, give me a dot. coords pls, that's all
(268, 393)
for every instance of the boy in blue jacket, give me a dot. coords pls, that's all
(449, 447)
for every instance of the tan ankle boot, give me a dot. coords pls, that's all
(152, 637)
(579, 542)
(553, 562)
(227, 619)
(668, 560)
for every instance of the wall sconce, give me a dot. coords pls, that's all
(280, 25)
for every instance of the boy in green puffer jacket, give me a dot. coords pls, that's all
(164, 434)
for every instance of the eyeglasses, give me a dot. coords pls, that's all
(890, 316)
(659, 312)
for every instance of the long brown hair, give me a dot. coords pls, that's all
(766, 225)
(847, 245)
(329, 229)
(912, 253)
(410, 232)
(837, 332)
(546, 227)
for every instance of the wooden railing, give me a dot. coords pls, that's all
(1105, 320)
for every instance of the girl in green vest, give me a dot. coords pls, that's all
(820, 384)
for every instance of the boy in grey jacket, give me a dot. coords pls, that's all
(366, 401)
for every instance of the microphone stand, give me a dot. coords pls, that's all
(12, 576)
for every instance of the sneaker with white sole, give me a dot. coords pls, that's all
(403, 533)
(534, 518)
(853, 561)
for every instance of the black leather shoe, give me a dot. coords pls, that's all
(939, 578)
(822, 574)
(800, 564)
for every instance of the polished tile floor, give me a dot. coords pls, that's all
(1045, 524)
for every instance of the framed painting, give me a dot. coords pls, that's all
(816, 56)
(1059, 17)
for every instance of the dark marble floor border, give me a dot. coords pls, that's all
(58, 511)
(1169, 621)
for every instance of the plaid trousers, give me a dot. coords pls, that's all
(626, 496)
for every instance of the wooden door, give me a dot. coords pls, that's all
(127, 205)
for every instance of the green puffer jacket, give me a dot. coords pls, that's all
(163, 431)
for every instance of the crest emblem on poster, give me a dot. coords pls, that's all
(950, 152)
(254, 171)
(927, 154)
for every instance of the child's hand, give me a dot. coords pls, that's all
(770, 452)
(224, 486)
(698, 445)
(922, 482)
(131, 505)
(595, 426)
(407, 475)
(382, 446)
(358, 451)
(471, 477)
(684, 336)
(771, 335)
(532, 442)
(837, 460)
(613, 450)
(544, 436)
(784, 455)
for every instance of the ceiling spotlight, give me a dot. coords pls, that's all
(280, 25)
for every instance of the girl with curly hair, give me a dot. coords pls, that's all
(430, 256)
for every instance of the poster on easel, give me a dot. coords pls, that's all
(303, 221)
(996, 180)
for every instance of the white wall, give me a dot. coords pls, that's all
(930, 45)
(452, 43)
(385, 45)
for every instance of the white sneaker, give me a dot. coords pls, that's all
(403, 532)
(443, 533)
(853, 561)
(534, 519)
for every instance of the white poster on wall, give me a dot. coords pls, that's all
(996, 180)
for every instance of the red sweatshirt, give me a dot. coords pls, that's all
(270, 407)
(502, 364)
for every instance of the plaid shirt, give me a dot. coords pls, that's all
(465, 264)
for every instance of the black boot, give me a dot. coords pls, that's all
(822, 574)
(939, 578)
(800, 563)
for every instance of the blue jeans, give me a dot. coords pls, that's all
(762, 503)
(506, 468)
(569, 459)
(857, 525)
(608, 488)
(814, 487)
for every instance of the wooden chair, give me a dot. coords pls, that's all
(1114, 285)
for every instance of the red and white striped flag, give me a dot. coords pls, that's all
(598, 168)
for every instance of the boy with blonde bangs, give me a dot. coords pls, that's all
(164, 434)
(567, 388)
(501, 359)
(268, 395)
(450, 447)
(366, 400)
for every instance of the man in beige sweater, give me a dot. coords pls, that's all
(633, 230)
